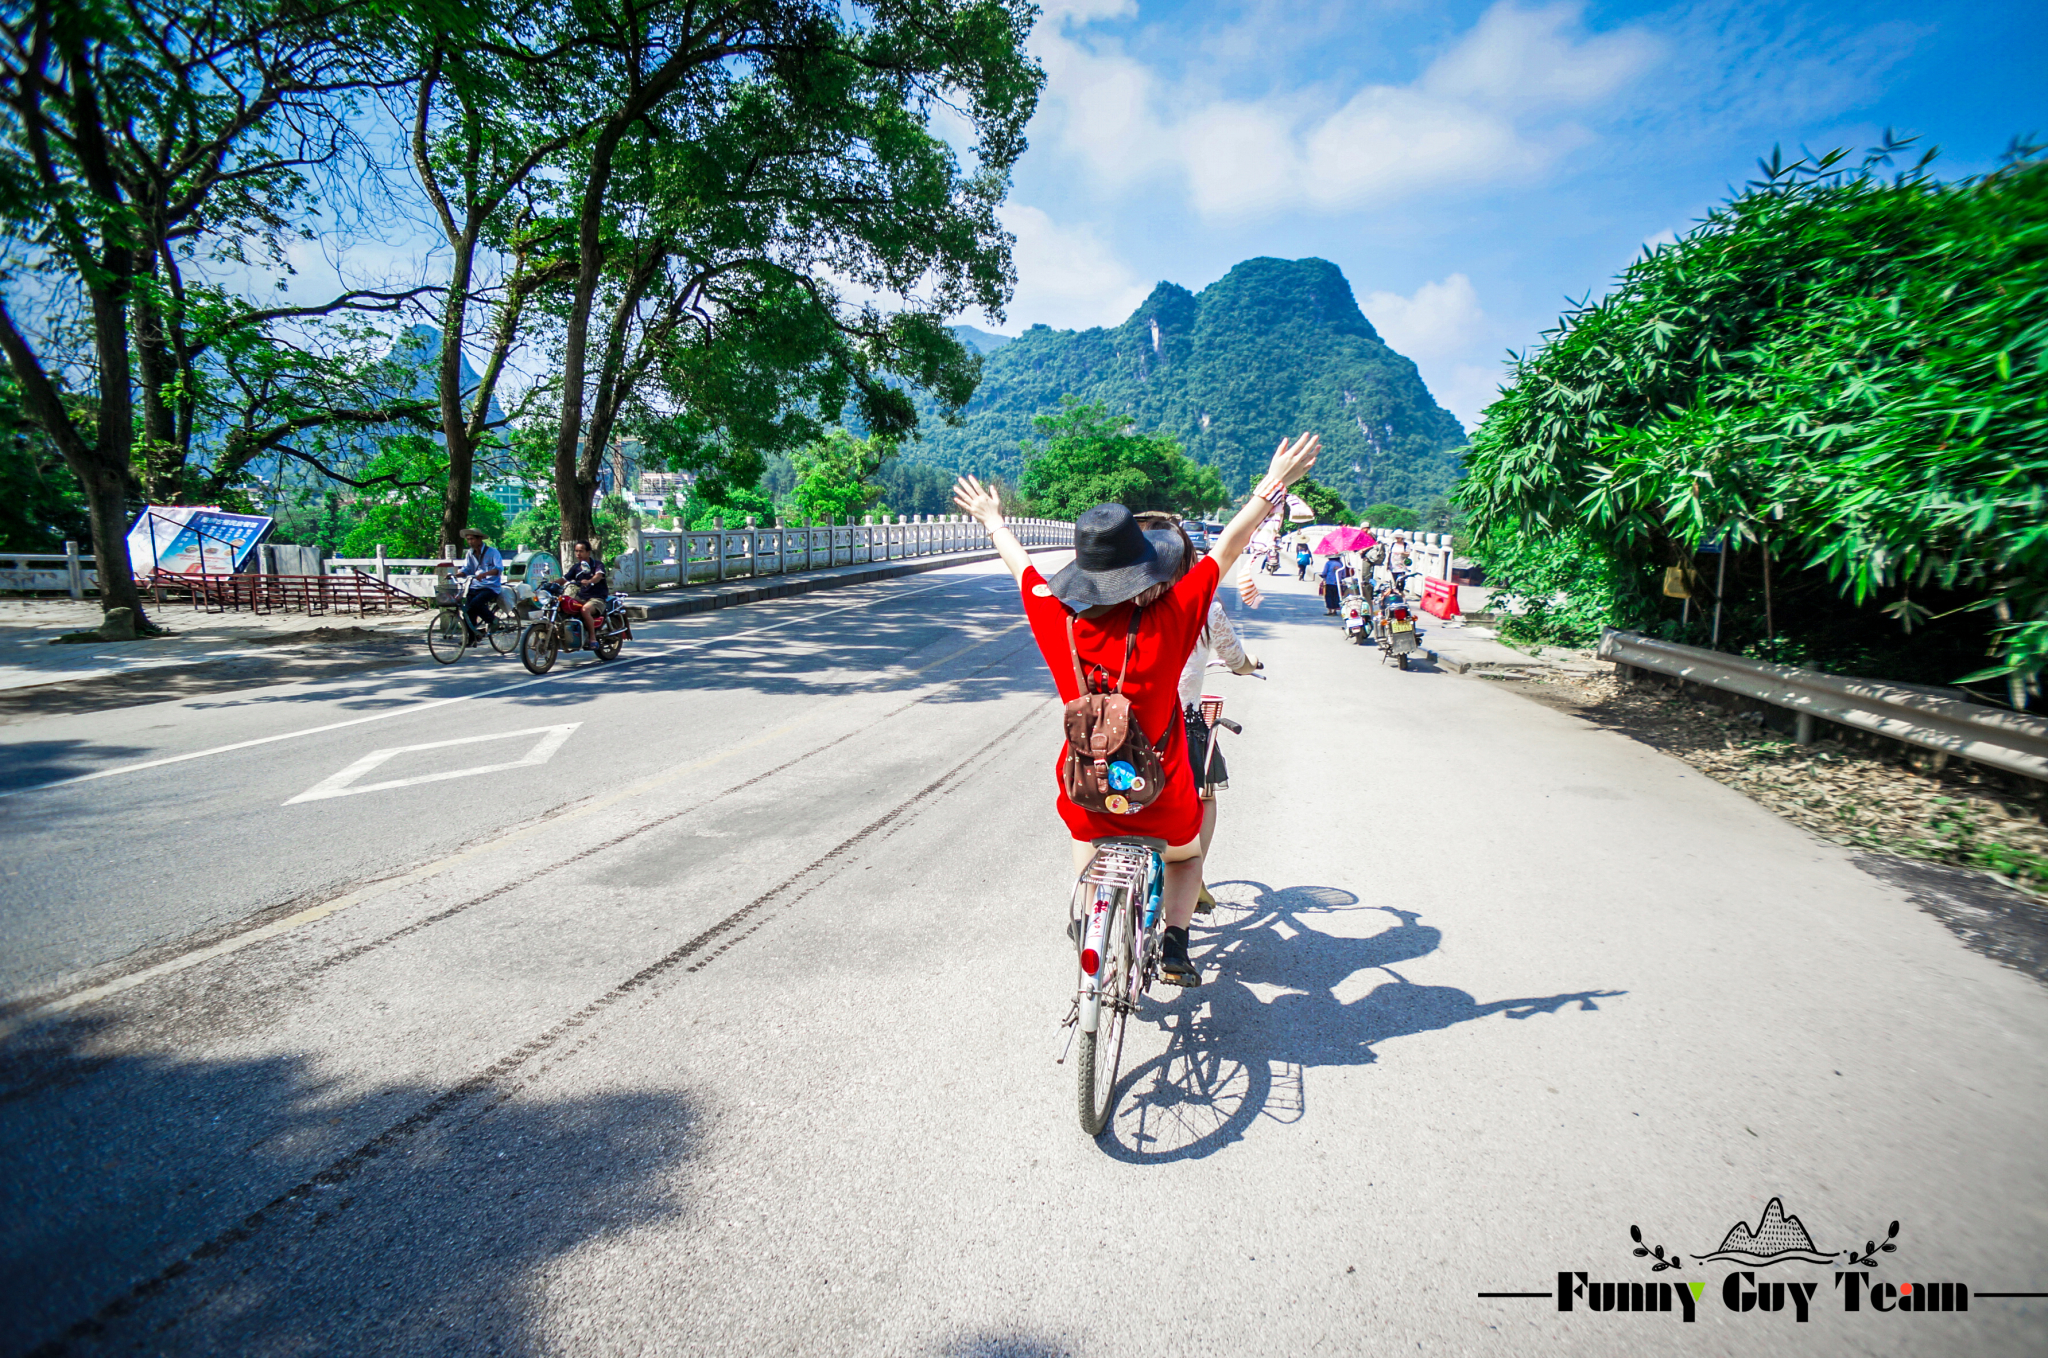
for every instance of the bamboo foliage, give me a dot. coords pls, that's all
(1846, 364)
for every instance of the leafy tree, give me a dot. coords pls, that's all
(1328, 504)
(1842, 373)
(712, 501)
(836, 476)
(406, 515)
(138, 134)
(746, 163)
(1391, 516)
(1201, 489)
(495, 99)
(1093, 457)
(916, 487)
(40, 507)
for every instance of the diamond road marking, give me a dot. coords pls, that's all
(344, 784)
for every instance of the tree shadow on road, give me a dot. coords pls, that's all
(259, 1206)
(1236, 1050)
(31, 763)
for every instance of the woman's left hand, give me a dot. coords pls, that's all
(978, 501)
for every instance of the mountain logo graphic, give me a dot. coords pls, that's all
(1776, 1239)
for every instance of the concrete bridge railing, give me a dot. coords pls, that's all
(661, 558)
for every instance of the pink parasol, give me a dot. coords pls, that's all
(1345, 540)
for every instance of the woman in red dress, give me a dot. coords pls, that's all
(1118, 567)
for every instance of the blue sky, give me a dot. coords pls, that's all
(1467, 165)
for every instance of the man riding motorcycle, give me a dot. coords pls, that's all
(584, 586)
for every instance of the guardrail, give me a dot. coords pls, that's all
(41, 572)
(666, 557)
(2012, 741)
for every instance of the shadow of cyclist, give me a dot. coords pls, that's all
(1236, 1049)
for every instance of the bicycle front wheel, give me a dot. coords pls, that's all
(1102, 1051)
(506, 631)
(447, 638)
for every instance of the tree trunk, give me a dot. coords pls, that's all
(454, 426)
(106, 497)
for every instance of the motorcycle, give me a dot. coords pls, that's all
(555, 630)
(1394, 620)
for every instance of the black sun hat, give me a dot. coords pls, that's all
(1115, 559)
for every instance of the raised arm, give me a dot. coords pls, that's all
(980, 502)
(1290, 463)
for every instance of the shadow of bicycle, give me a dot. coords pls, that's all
(1237, 1047)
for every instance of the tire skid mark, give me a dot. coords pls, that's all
(492, 1078)
(20, 1014)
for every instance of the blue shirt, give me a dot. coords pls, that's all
(476, 563)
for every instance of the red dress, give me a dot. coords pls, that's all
(1167, 634)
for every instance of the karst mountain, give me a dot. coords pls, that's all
(1273, 347)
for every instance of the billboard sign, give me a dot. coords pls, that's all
(191, 540)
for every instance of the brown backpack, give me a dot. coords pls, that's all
(1110, 765)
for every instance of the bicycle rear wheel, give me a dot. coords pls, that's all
(1101, 1051)
(447, 638)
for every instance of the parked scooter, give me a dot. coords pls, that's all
(1394, 622)
(1355, 616)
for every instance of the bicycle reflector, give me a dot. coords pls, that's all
(1091, 961)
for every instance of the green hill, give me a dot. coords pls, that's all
(1272, 348)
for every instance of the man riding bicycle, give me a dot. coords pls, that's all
(1129, 615)
(483, 564)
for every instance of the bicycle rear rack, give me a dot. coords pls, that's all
(1119, 865)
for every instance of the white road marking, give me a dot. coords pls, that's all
(570, 677)
(547, 824)
(344, 784)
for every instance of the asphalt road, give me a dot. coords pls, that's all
(725, 1021)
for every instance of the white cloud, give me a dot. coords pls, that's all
(1441, 320)
(1445, 331)
(1067, 277)
(1496, 105)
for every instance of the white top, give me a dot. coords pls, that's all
(1219, 638)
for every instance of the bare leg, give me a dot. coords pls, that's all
(1208, 824)
(1183, 884)
(1183, 879)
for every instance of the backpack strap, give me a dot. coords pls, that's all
(1129, 637)
(1074, 653)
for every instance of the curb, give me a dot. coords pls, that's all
(701, 599)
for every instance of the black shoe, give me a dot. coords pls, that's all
(1074, 933)
(1174, 966)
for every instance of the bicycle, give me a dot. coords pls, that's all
(1117, 936)
(1118, 939)
(450, 633)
